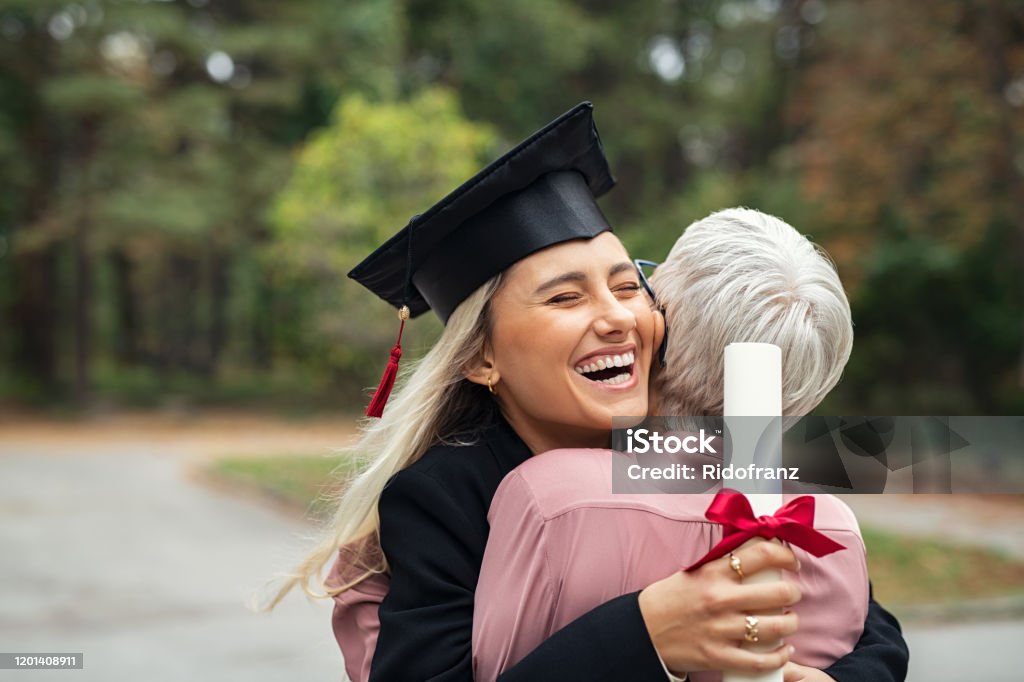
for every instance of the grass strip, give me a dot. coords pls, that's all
(305, 482)
(911, 570)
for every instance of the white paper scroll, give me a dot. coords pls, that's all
(753, 388)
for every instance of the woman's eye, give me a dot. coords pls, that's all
(630, 288)
(564, 298)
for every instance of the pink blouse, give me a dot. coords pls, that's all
(561, 544)
(355, 620)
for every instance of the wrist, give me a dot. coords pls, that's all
(658, 621)
(653, 615)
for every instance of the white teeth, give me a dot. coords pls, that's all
(607, 362)
(617, 379)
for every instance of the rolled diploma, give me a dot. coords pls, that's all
(753, 387)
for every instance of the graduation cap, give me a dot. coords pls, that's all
(539, 194)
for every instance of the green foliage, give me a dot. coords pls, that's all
(960, 310)
(355, 183)
(512, 61)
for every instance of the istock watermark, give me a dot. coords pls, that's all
(824, 454)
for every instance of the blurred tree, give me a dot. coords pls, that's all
(910, 149)
(356, 182)
(678, 86)
(27, 175)
(147, 139)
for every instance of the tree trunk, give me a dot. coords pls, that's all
(262, 322)
(126, 345)
(178, 315)
(83, 267)
(33, 316)
(33, 310)
(187, 276)
(163, 353)
(219, 291)
(83, 299)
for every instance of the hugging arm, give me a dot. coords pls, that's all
(881, 654)
(426, 621)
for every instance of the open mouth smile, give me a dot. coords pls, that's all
(609, 369)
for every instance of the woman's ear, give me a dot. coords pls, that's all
(482, 370)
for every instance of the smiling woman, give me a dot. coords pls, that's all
(598, 332)
(519, 265)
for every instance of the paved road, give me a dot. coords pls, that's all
(109, 549)
(113, 553)
(976, 652)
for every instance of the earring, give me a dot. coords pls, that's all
(490, 387)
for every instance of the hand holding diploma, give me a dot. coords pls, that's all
(753, 388)
(696, 618)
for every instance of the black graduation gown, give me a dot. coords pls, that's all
(433, 530)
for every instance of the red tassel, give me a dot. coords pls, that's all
(387, 381)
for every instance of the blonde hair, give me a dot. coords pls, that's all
(740, 275)
(435, 403)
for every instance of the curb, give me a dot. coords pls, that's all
(1008, 607)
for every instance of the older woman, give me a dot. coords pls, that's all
(520, 265)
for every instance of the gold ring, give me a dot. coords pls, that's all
(736, 565)
(751, 633)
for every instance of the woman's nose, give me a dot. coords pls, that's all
(614, 318)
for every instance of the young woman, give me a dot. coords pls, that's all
(519, 264)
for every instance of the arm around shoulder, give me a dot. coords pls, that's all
(881, 654)
(434, 551)
(433, 555)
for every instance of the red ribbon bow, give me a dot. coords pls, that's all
(793, 522)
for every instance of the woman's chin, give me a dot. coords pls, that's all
(620, 405)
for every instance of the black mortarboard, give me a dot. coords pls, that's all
(539, 194)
